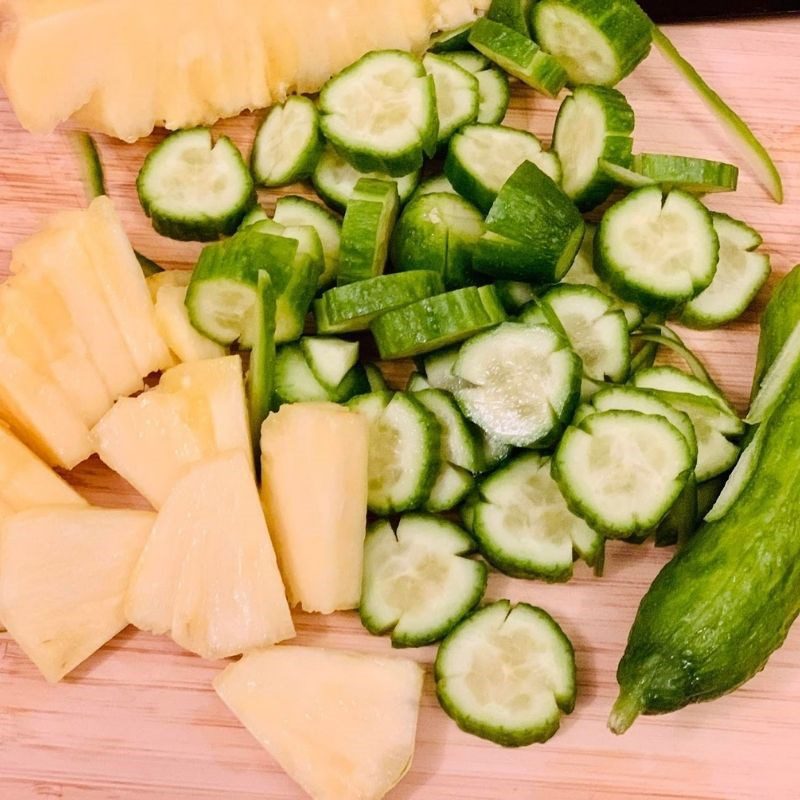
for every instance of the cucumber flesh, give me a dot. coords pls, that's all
(261, 373)
(695, 175)
(457, 95)
(375, 379)
(671, 379)
(91, 166)
(294, 380)
(417, 383)
(438, 184)
(329, 359)
(451, 486)
(776, 380)
(624, 176)
(253, 217)
(494, 96)
(515, 295)
(470, 60)
(460, 445)
(439, 369)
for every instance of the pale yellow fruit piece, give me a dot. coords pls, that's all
(208, 574)
(169, 277)
(341, 724)
(63, 581)
(182, 338)
(314, 492)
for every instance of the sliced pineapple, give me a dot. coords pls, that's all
(208, 574)
(314, 492)
(341, 724)
(63, 580)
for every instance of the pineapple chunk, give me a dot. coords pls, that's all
(314, 492)
(169, 277)
(64, 576)
(341, 724)
(5, 512)
(208, 574)
(182, 338)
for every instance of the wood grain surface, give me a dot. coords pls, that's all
(139, 719)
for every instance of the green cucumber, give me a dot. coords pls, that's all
(457, 95)
(438, 184)
(439, 369)
(375, 379)
(149, 267)
(624, 176)
(195, 189)
(296, 383)
(261, 373)
(494, 96)
(455, 39)
(436, 322)
(695, 175)
(329, 359)
(514, 14)
(417, 382)
(91, 167)
(253, 217)
(470, 60)
(775, 381)
(515, 295)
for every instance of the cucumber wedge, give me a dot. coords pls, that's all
(494, 96)
(329, 359)
(457, 95)
(695, 175)
(296, 383)
(455, 39)
(261, 373)
(375, 379)
(513, 14)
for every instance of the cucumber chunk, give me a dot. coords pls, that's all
(436, 322)
(375, 379)
(456, 39)
(329, 359)
(522, 383)
(295, 382)
(524, 527)
(439, 369)
(695, 175)
(261, 373)
(438, 231)
(506, 674)
(194, 189)
(519, 56)
(380, 113)
(514, 295)
(460, 444)
(253, 217)
(514, 14)
(85, 147)
(309, 247)
(740, 274)
(417, 383)
(404, 451)
(657, 251)
(288, 143)
(345, 309)
(451, 486)
(533, 231)
(622, 471)
(457, 95)
(593, 123)
(418, 580)
(596, 41)
(481, 158)
(494, 452)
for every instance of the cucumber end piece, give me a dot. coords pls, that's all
(624, 712)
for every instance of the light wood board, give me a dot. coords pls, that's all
(139, 719)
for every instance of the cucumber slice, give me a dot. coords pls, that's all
(593, 123)
(598, 42)
(776, 380)
(481, 158)
(288, 143)
(91, 167)
(695, 175)
(293, 210)
(470, 60)
(494, 96)
(417, 383)
(403, 451)
(438, 184)
(523, 526)
(436, 322)
(306, 236)
(366, 230)
(657, 251)
(457, 95)
(335, 180)
(493, 451)
(739, 277)
(380, 113)
(519, 56)
(522, 383)
(506, 674)
(514, 14)
(345, 309)
(622, 471)
(194, 189)
(418, 580)
(514, 295)
(460, 445)
(294, 380)
(261, 373)
(438, 231)
(456, 39)
(149, 267)
(451, 486)
(624, 176)
(439, 369)
(375, 379)
(329, 359)
(671, 379)
(533, 231)
(253, 217)
(756, 155)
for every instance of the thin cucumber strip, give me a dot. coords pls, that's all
(624, 176)
(367, 229)
(481, 158)
(460, 445)
(494, 96)
(533, 230)
(678, 347)
(776, 380)
(329, 359)
(622, 471)
(707, 494)
(91, 167)
(506, 674)
(657, 251)
(518, 55)
(521, 383)
(695, 175)
(438, 231)
(195, 189)
(261, 373)
(740, 274)
(455, 39)
(671, 379)
(335, 180)
(593, 123)
(597, 42)
(457, 95)
(404, 451)
(470, 60)
(523, 526)
(288, 143)
(754, 153)
(437, 322)
(344, 309)
(149, 267)
(380, 113)
(513, 14)
(375, 379)
(419, 582)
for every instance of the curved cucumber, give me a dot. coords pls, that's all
(91, 167)
(695, 175)
(457, 95)
(494, 96)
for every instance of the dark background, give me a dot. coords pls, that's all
(681, 10)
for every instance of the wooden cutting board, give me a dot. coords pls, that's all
(139, 719)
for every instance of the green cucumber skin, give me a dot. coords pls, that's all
(261, 374)
(91, 167)
(701, 175)
(717, 611)
(513, 14)
(452, 40)
(492, 110)
(149, 267)
(681, 520)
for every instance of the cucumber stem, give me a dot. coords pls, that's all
(625, 711)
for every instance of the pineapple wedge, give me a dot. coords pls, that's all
(208, 574)
(314, 492)
(341, 724)
(63, 580)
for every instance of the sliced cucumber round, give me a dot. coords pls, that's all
(657, 251)
(454, 40)
(695, 175)
(288, 143)
(506, 674)
(194, 189)
(380, 113)
(418, 580)
(457, 95)
(522, 383)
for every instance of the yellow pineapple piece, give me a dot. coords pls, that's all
(169, 277)
(314, 492)
(341, 724)
(63, 581)
(208, 573)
